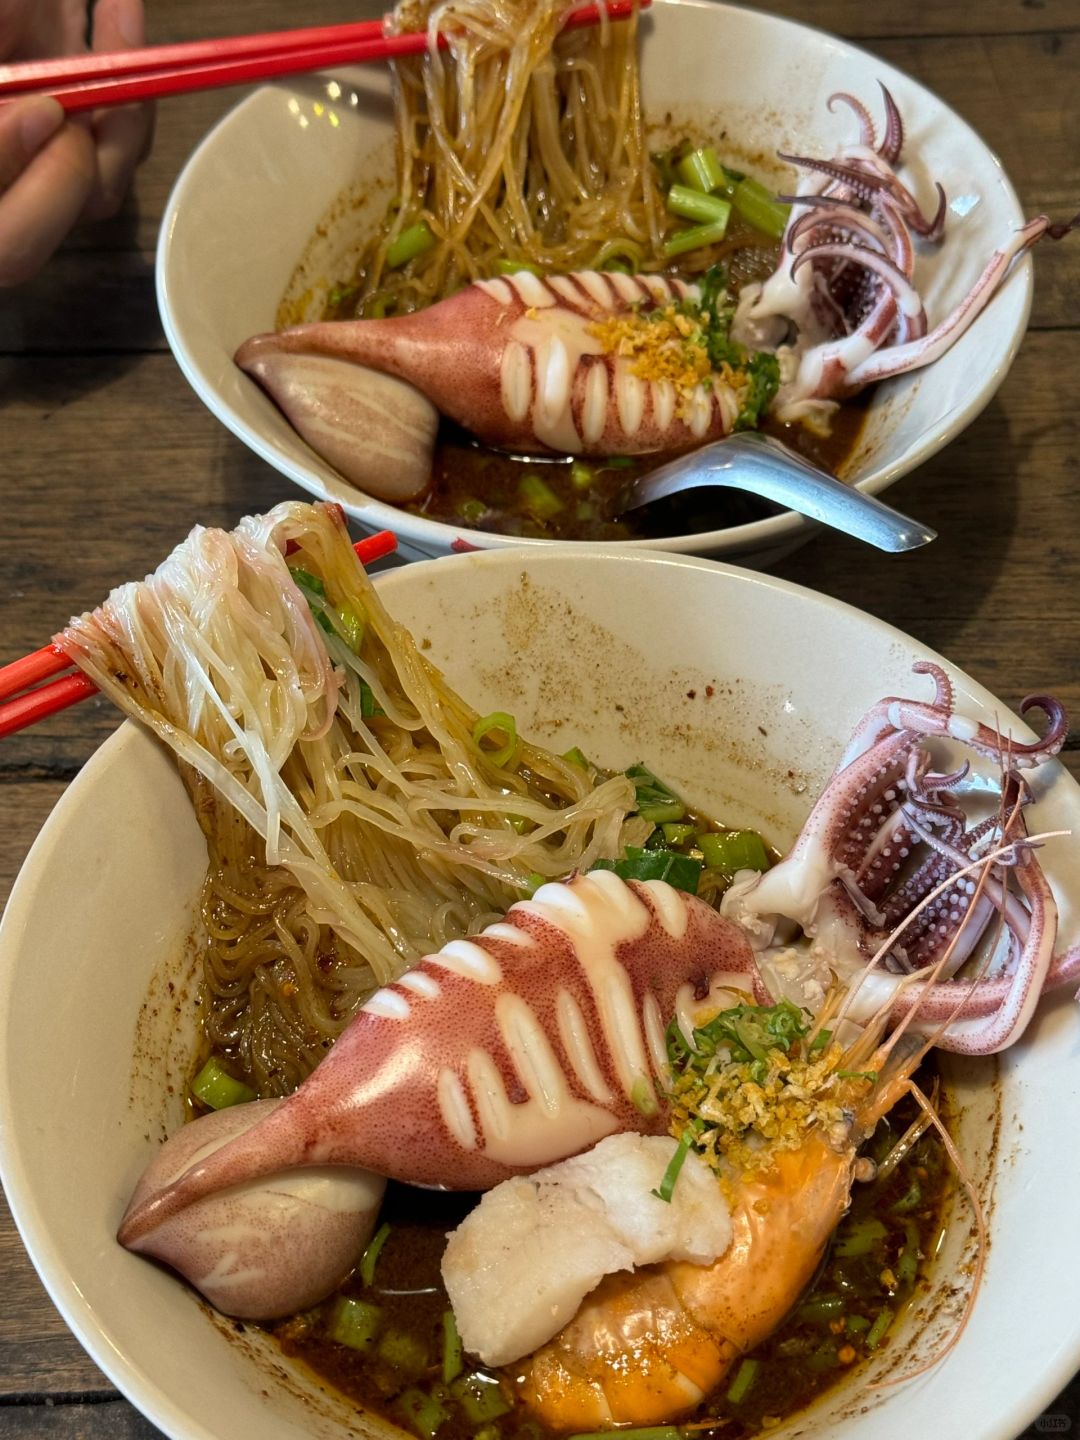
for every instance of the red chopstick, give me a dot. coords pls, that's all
(23, 709)
(87, 82)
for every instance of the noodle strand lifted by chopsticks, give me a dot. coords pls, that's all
(522, 142)
(353, 821)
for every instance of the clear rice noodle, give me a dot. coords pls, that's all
(520, 142)
(354, 820)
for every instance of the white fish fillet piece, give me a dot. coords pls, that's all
(519, 1265)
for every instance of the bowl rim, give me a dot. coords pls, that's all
(774, 533)
(124, 1371)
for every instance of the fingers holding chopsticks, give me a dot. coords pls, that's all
(122, 136)
(56, 171)
(47, 174)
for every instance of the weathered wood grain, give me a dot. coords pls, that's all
(110, 1419)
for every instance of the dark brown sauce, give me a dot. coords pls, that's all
(833, 1326)
(481, 489)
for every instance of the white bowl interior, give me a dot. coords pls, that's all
(746, 717)
(246, 207)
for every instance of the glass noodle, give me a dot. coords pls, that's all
(357, 816)
(518, 144)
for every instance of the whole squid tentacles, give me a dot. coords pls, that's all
(501, 1053)
(843, 304)
(885, 835)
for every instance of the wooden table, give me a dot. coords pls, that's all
(107, 458)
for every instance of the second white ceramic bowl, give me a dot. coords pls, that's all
(624, 657)
(317, 153)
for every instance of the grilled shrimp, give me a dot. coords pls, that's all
(648, 1346)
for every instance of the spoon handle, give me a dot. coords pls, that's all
(751, 463)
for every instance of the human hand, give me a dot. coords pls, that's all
(56, 171)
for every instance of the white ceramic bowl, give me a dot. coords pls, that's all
(300, 152)
(96, 966)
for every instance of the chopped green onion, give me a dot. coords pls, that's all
(369, 706)
(907, 1267)
(823, 1358)
(857, 1074)
(675, 1164)
(759, 209)
(215, 1087)
(660, 812)
(533, 881)
(538, 498)
(856, 1324)
(340, 293)
(413, 241)
(681, 871)
(877, 1330)
(731, 850)
(861, 1237)
(480, 1396)
(354, 1323)
(377, 306)
(512, 267)
(821, 1308)
(354, 628)
(744, 1378)
(695, 237)
(452, 1362)
(473, 511)
(581, 475)
(518, 824)
(693, 205)
(619, 254)
(403, 1352)
(655, 801)
(585, 510)
(576, 757)
(371, 1254)
(307, 581)
(422, 1412)
(643, 1097)
(498, 720)
(676, 835)
(701, 170)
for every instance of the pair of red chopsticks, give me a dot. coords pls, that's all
(21, 705)
(86, 82)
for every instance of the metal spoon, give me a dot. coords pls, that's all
(764, 466)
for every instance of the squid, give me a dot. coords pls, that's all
(531, 1041)
(527, 364)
